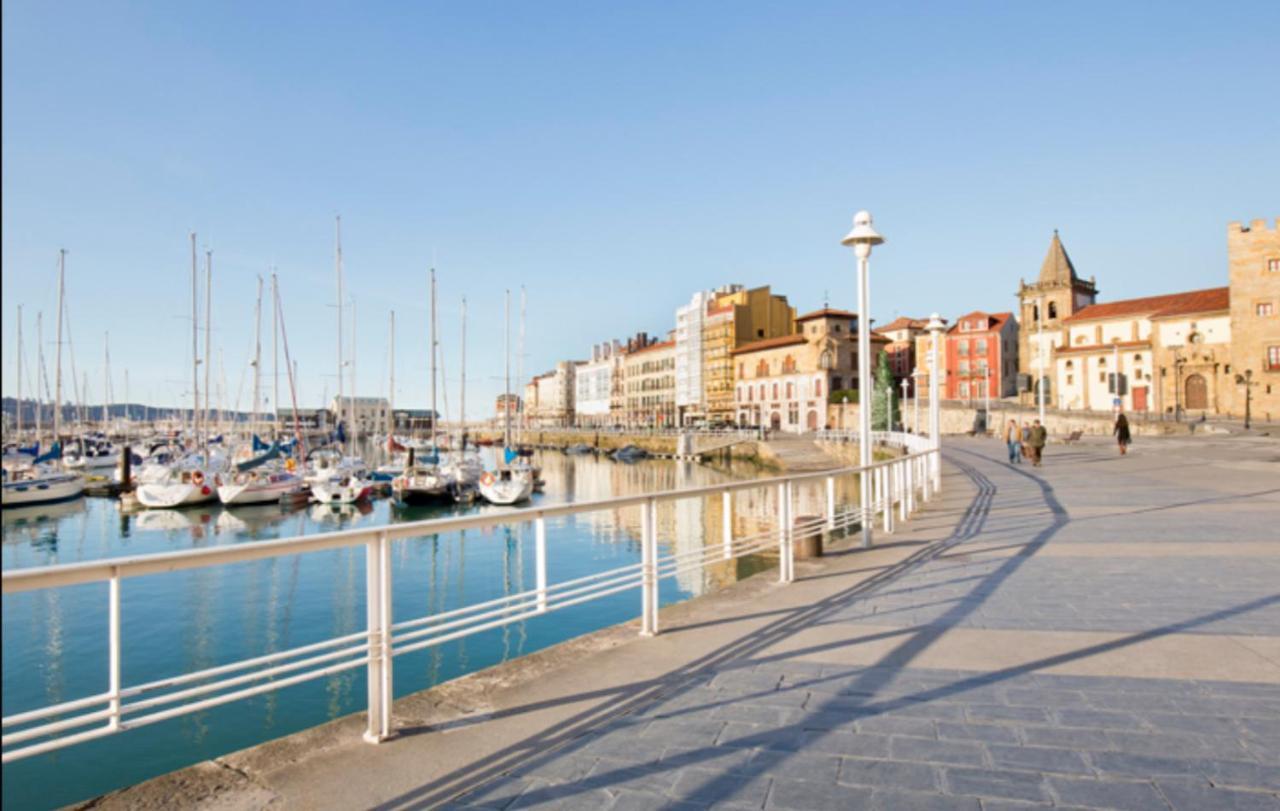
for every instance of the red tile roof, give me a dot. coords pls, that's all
(769, 343)
(1213, 299)
(994, 321)
(903, 322)
(825, 312)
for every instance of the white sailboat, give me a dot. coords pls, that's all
(423, 480)
(29, 481)
(507, 485)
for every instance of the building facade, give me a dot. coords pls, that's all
(924, 364)
(370, 413)
(784, 383)
(1057, 294)
(594, 386)
(982, 357)
(691, 404)
(903, 334)
(734, 319)
(1253, 267)
(650, 375)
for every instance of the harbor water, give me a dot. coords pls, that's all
(55, 640)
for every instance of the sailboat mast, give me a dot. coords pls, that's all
(208, 343)
(506, 337)
(19, 372)
(257, 359)
(351, 410)
(338, 265)
(391, 395)
(57, 379)
(195, 345)
(434, 413)
(520, 367)
(106, 378)
(39, 374)
(462, 403)
(275, 357)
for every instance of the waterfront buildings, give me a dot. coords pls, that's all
(650, 374)
(370, 413)
(504, 402)
(594, 386)
(691, 401)
(549, 397)
(784, 383)
(733, 319)
(902, 334)
(924, 364)
(982, 356)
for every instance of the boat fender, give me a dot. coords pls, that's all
(198, 477)
(204, 490)
(487, 479)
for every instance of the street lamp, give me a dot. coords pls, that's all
(904, 401)
(915, 420)
(862, 239)
(935, 327)
(1246, 380)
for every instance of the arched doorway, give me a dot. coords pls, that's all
(811, 421)
(775, 421)
(1197, 393)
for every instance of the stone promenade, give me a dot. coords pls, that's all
(1103, 632)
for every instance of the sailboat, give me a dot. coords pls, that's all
(465, 469)
(423, 480)
(39, 481)
(189, 480)
(507, 485)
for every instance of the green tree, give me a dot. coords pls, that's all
(884, 407)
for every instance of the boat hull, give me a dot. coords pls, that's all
(339, 493)
(256, 493)
(174, 494)
(46, 490)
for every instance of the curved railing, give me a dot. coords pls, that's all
(903, 482)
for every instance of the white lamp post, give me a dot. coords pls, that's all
(935, 327)
(903, 403)
(915, 420)
(862, 238)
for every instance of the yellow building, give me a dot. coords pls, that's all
(1253, 266)
(734, 319)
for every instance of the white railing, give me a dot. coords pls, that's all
(905, 481)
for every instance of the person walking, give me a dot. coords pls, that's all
(1036, 440)
(1122, 433)
(1013, 440)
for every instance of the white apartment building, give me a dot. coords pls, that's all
(593, 385)
(690, 319)
(370, 412)
(555, 395)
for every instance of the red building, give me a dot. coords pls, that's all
(982, 357)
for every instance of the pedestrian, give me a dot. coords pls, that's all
(1122, 433)
(1036, 441)
(1013, 440)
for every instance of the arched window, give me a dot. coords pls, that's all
(788, 365)
(742, 370)
(1035, 312)
(817, 387)
(761, 391)
(762, 368)
(775, 391)
(1053, 309)
(789, 390)
(825, 360)
(751, 394)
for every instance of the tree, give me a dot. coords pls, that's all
(884, 409)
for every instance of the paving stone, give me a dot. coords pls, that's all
(1099, 719)
(795, 765)
(921, 749)
(889, 725)
(713, 787)
(1188, 746)
(755, 736)
(1185, 796)
(1038, 758)
(1000, 712)
(671, 732)
(643, 801)
(889, 774)
(1032, 697)
(805, 795)
(1010, 785)
(1243, 774)
(847, 743)
(1065, 737)
(987, 733)
(613, 775)
(1111, 794)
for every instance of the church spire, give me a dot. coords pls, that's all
(1057, 267)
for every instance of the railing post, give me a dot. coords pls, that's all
(900, 472)
(887, 482)
(113, 649)
(727, 500)
(925, 489)
(649, 568)
(909, 472)
(540, 560)
(378, 612)
(831, 503)
(784, 531)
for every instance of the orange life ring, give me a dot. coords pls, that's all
(487, 479)
(198, 477)
(290, 465)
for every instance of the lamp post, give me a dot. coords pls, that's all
(862, 238)
(1177, 386)
(915, 377)
(935, 327)
(904, 400)
(1246, 380)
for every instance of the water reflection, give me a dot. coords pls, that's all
(53, 640)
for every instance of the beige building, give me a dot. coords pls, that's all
(784, 383)
(734, 319)
(924, 364)
(1253, 267)
(1057, 294)
(650, 375)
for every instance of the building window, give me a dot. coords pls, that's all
(817, 387)
(837, 383)
(789, 389)
(1265, 308)
(1053, 310)
(1273, 265)
(775, 391)
(1102, 377)
(981, 346)
(1071, 379)
(964, 389)
(963, 347)
(1273, 357)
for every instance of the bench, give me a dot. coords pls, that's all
(1074, 436)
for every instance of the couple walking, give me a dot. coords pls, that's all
(1029, 440)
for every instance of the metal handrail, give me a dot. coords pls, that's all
(906, 481)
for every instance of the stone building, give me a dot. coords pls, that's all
(903, 334)
(371, 413)
(732, 320)
(1253, 268)
(650, 375)
(784, 383)
(1058, 293)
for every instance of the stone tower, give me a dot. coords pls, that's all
(1062, 293)
(1253, 260)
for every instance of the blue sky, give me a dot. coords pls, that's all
(611, 157)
